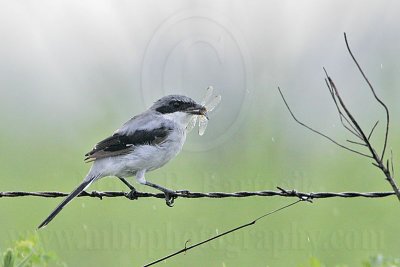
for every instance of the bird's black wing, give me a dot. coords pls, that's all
(120, 144)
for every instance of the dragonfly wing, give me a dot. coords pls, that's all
(208, 95)
(203, 121)
(213, 103)
(191, 123)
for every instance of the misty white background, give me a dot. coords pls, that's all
(70, 64)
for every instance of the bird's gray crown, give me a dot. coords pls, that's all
(173, 103)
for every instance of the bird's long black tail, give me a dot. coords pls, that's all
(71, 196)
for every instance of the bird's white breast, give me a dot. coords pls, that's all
(143, 157)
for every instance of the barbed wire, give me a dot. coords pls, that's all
(187, 194)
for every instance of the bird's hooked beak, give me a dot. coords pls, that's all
(198, 110)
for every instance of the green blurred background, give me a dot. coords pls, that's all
(71, 72)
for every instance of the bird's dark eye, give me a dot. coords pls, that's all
(176, 104)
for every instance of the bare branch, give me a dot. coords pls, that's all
(372, 130)
(343, 106)
(317, 132)
(391, 159)
(387, 164)
(341, 115)
(378, 160)
(354, 127)
(347, 128)
(352, 119)
(356, 143)
(373, 92)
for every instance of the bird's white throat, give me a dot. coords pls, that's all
(181, 118)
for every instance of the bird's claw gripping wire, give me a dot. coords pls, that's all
(132, 195)
(170, 197)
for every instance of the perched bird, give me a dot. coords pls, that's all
(144, 143)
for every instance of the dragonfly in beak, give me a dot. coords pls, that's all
(208, 104)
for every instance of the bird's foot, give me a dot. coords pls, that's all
(132, 195)
(170, 197)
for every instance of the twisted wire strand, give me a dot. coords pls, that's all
(187, 194)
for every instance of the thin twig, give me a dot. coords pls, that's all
(373, 92)
(317, 132)
(341, 115)
(391, 159)
(372, 130)
(351, 117)
(356, 143)
(240, 194)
